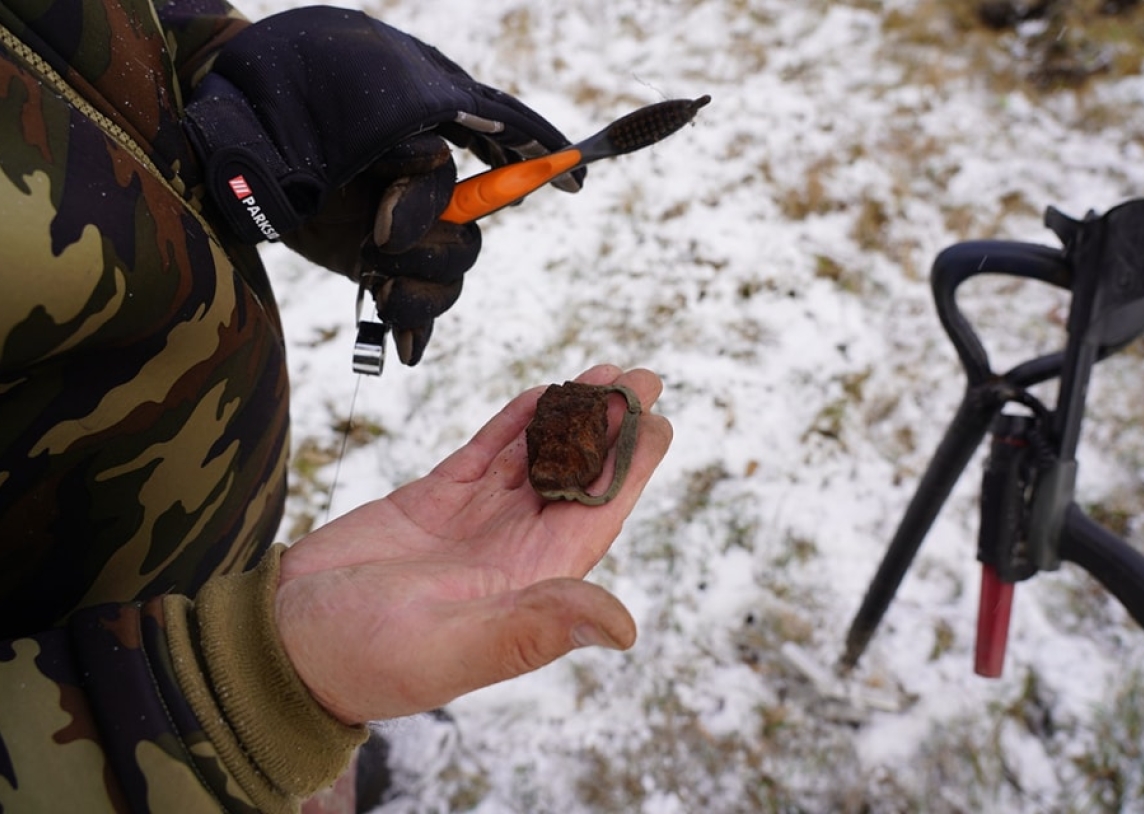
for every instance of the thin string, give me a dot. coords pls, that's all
(342, 454)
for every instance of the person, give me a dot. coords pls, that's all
(158, 651)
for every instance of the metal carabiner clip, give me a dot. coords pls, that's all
(369, 346)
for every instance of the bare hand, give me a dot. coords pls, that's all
(460, 579)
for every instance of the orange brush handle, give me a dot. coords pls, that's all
(485, 193)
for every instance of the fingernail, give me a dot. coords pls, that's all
(586, 635)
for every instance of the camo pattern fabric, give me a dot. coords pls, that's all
(143, 404)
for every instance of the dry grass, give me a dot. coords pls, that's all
(1111, 771)
(310, 462)
(1062, 44)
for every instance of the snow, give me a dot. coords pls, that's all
(771, 263)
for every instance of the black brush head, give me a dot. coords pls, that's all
(646, 126)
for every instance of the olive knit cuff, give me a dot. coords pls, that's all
(271, 734)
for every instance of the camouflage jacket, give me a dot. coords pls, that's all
(143, 436)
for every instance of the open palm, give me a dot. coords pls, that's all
(462, 578)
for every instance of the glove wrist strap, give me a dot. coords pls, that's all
(253, 203)
(257, 193)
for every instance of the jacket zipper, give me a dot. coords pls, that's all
(60, 85)
(259, 289)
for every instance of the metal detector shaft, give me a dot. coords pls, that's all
(985, 394)
(1102, 266)
(964, 435)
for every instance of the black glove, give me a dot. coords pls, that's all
(304, 129)
(383, 228)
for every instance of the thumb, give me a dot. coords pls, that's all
(412, 658)
(527, 629)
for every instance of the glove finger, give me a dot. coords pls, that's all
(417, 178)
(445, 253)
(486, 149)
(409, 208)
(519, 124)
(404, 304)
(375, 200)
(495, 112)
(411, 343)
(504, 119)
(419, 154)
(409, 307)
(496, 154)
(416, 286)
(332, 238)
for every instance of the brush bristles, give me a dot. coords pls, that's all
(650, 124)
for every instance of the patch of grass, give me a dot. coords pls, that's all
(1117, 519)
(588, 683)
(311, 462)
(896, 440)
(1111, 771)
(968, 763)
(1082, 606)
(988, 220)
(943, 639)
(749, 288)
(797, 549)
(357, 432)
(697, 492)
(870, 222)
(829, 422)
(1038, 46)
(466, 789)
(765, 629)
(847, 279)
(308, 490)
(1033, 708)
(778, 760)
(812, 198)
(964, 768)
(311, 455)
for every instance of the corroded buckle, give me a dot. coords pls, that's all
(568, 444)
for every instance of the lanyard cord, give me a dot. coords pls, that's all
(342, 454)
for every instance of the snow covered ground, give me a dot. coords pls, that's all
(771, 263)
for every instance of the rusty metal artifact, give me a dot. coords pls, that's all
(568, 441)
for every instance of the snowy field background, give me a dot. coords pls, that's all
(771, 263)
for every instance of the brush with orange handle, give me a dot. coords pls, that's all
(489, 191)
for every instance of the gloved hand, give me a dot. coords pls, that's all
(383, 228)
(304, 127)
